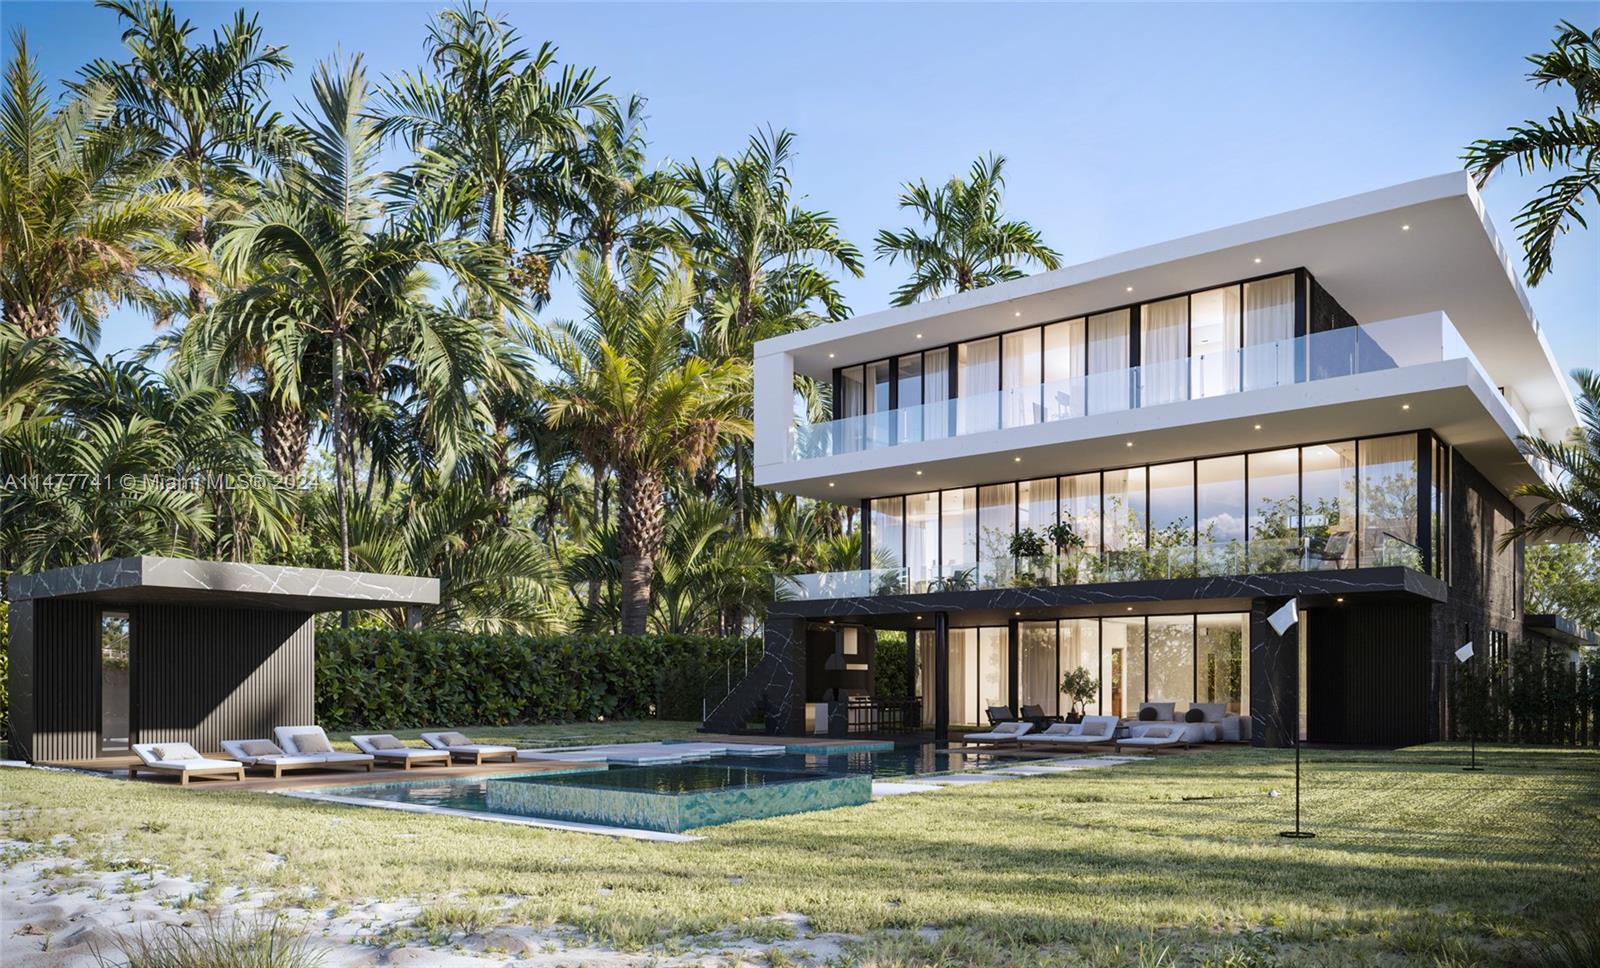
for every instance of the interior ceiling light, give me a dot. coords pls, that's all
(1405, 228)
(1258, 260)
(1130, 289)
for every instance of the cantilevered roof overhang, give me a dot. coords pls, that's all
(182, 581)
(1419, 247)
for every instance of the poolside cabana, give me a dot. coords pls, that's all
(149, 650)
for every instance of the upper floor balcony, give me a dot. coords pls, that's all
(1369, 348)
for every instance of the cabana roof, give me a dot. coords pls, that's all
(183, 581)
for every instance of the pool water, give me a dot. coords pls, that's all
(742, 775)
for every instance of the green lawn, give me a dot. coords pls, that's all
(1414, 860)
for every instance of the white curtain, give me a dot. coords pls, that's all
(1064, 369)
(1214, 342)
(1108, 362)
(922, 540)
(978, 385)
(1021, 366)
(1163, 352)
(1269, 344)
(936, 394)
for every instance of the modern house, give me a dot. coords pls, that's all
(150, 650)
(1129, 464)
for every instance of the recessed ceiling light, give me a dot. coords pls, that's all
(1258, 426)
(919, 473)
(919, 336)
(1130, 608)
(1405, 228)
(830, 356)
(1016, 460)
(1130, 443)
(919, 618)
(830, 483)
(1405, 406)
(1016, 613)
(1339, 599)
(1258, 260)
(1016, 314)
(1130, 289)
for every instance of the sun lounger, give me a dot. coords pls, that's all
(1154, 736)
(182, 761)
(1093, 731)
(388, 749)
(266, 755)
(1004, 733)
(312, 741)
(463, 748)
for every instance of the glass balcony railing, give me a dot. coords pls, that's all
(1320, 356)
(1257, 557)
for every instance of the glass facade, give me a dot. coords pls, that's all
(1338, 505)
(1181, 659)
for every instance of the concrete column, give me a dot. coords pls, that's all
(941, 677)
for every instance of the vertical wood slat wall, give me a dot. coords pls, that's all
(66, 680)
(204, 675)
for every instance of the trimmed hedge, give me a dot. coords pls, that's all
(403, 679)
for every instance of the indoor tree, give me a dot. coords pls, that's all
(1564, 142)
(966, 241)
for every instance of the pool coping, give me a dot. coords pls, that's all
(629, 833)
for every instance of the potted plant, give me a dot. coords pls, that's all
(1027, 547)
(1080, 687)
(1066, 540)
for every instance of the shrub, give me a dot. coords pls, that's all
(1537, 695)
(405, 679)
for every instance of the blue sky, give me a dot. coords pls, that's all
(1124, 124)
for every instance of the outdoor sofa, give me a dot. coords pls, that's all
(1011, 732)
(388, 749)
(1151, 737)
(1203, 722)
(182, 761)
(461, 747)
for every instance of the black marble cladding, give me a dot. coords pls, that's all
(1182, 594)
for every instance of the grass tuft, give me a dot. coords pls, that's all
(233, 944)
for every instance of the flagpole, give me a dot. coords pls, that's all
(1281, 621)
(1464, 655)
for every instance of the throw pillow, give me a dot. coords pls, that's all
(385, 742)
(260, 747)
(176, 751)
(311, 743)
(454, 739)
(1148, 714)
(1195, 715)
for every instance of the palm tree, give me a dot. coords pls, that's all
(1569, 142)
(322, 262)
(971, 243)
(83, 224)
(493, 119)
(610, 202)
(640, 402)
(1567, 503)
(201, 102)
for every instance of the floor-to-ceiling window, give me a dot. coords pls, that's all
(958, 539)
(1021, 369)
(908, 401)
(997, 515)
(1269, 345)
(1080, 508)
(1065, 365)
(1080, 649)
(1037, 654)
(1274, 488)
(851, 407)
(1164, 352)
(1214, 341)
(1388, 473)
(1125, 520)
(994, 665)
(879, 413)
(978, 385)
(922, 540)
(966, 699)
(887, 531)
(1172, 520)
(1219, 505)
(937, 420)
(1171, 660)
(1108, 361)
(1036, 512)
(1122, 665)
(1222, 655)
(1328, 496)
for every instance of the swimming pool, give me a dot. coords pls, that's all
(675, 797)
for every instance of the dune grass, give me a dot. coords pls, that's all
(1174, 861)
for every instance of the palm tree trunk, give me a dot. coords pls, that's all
(641, 513)
(285, 433)
(336, 414)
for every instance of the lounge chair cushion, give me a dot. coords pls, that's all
(312, 743)
(1102, 726)
(385, 742)
(169, 752)
(259, 747)
(1063, 729)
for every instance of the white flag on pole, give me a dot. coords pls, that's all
(1464, 653)
(1285, 617)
